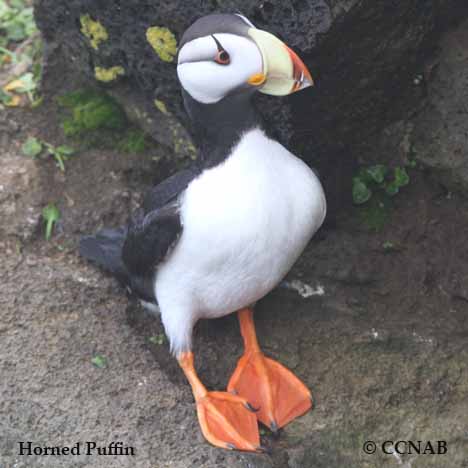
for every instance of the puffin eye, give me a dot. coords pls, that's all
(222, 57)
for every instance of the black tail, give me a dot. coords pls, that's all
(105, 249)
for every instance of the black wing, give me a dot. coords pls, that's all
(156, 229)
(105, 249)
(168, 189)
(150, 237)
(132, 253)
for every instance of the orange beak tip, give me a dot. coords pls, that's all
(303, 78)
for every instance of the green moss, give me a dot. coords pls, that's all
(108, 74)
(93, 30)
(161, 106)
(157, 339)
(133, 142)
(182, 145)
(192, 150)
(91, 110)
(163, 42)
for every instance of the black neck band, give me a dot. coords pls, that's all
(218, 127)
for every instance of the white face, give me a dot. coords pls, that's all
(207, 80)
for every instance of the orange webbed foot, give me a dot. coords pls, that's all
(269, 386)
(272, 388)
(226, 420)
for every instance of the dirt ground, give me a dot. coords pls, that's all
(384, 348)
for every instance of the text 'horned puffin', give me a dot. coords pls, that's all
(216, 238)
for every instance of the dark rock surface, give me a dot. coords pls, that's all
(435, 131)
(364, 55)
(440, 133)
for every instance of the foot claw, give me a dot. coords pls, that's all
(263, 449)
(230, 446)
(250, 407)
(273, 426)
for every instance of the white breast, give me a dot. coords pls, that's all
(245, 222)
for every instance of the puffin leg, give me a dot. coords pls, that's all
(277, 393)
(227, 421)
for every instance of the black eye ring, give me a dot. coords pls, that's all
(222, 57)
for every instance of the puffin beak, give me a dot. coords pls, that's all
(283, 71)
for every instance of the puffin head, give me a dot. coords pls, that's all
(220, 55)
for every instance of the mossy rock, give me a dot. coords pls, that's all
(91, 110)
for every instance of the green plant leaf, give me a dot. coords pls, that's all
(364, 176)
(361, 192)
(99, 361)
(65, 150)
(28, 83)
(4, 10)
(157, 339)
(51, 215)
(37, 102)
(60, 160)
(59, 153)
(16, 20)
(15, 31)
(31, 147)
(401, 176)
(377, 173)
(392, 188)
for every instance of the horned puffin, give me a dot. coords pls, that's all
(217, 237)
